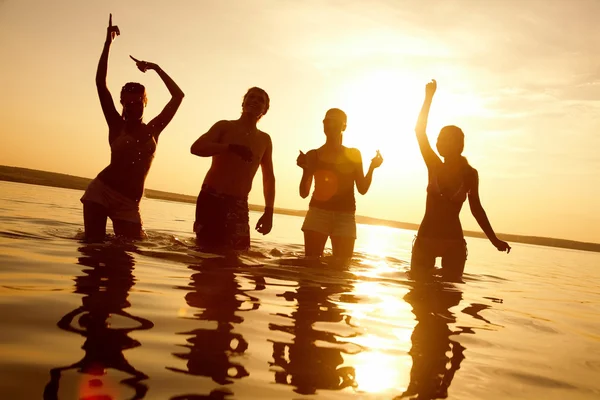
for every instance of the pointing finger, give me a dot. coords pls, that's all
(110, 20)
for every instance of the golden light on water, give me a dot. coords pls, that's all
(376, 241)
(377, 371)
(378, 367)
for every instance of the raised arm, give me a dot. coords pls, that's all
(106, 101)
(421, 129)
(265, 223)
(363, 182)
(166, 115)
(304, 161)
(480, 215)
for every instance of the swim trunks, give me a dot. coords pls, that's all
(222, 221)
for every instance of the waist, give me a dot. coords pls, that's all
(341, 203)
(210, 191)
(128, 184)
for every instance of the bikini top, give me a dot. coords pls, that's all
(457, 196)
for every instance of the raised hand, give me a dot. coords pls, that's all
(301, 161)
(243, 151)
(112, 31)
(377, 160)
(143, 65)
(430, 88)
(502, 246)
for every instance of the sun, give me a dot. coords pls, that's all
(382, 110)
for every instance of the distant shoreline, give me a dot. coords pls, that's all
(44, 178)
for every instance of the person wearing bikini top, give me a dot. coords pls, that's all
(451, 182)
(117, 190)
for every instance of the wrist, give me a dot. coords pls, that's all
(269, 210)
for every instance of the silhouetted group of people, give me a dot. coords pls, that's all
(238, 148)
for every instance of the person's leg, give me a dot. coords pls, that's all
(128, 229)
(94, 220)
(209, 224)
(342, 246)
(453, 261)
(238, 224)
(314, 243)
(317, 228)
(422, 261)
(343, 235)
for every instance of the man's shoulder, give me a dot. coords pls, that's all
(264, 136)
(224, 123)
(352, 151)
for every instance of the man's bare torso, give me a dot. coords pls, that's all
(229, 174)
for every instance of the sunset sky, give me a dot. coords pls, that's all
(522, 78)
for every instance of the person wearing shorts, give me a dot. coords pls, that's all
(117, 190)
(335, 170)
(237, 148)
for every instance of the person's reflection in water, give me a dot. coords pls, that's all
(105, 287)
(311, 367)
(215, 352)
(433, 370)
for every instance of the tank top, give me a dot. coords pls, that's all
(334, 185)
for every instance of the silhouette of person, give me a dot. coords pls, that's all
(116, 192)
(451, 182)
(237, 149)
(335, 169)
(105, 288)
(433, 370)
(215, 353)
(311, 367)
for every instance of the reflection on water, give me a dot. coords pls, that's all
(105, 286)
(215, 350)
(310, 330)
(435, 352)
(312, 359)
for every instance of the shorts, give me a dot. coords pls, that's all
(118, 206)
(330, 223)
(452, 251)
(222, 221)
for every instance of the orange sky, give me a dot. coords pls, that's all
(521, 78)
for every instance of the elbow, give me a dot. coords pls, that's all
(303, 191)
(195, 150)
